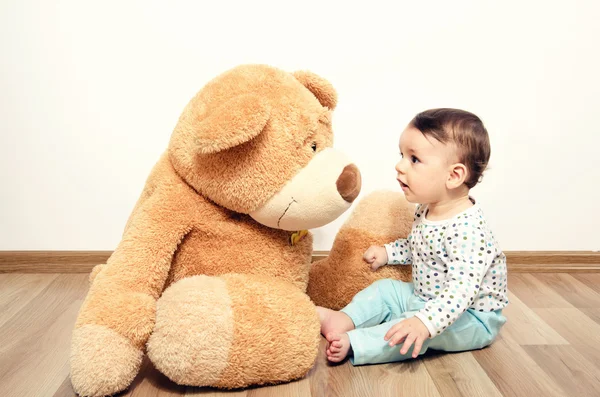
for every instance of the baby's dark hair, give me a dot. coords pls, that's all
(465, 130)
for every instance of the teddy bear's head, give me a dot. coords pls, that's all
(258, 140)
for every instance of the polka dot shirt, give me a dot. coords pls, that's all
(456, 265)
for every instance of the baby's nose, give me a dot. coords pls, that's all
(349, 183)
(399, 167)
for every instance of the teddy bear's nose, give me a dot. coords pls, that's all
(349, 183)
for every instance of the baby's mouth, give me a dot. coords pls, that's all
(402, 184)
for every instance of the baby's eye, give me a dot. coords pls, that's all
(414, 159)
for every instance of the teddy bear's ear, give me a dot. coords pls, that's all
(235, 122)
(321, 88)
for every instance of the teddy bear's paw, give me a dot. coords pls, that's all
(95, 271)
(103, 362)
(234, 331)
(193, 333)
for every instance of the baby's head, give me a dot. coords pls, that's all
(444, 153)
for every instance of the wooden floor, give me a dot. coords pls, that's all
(550, 346)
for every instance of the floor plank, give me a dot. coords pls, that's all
(514, 372)
(296, 388)
(550, 346)
(65, 389)
(152, 383)
(17, 290)
(318, 376)
(459, 374)
(592, 280)
(573, 290)
(592, 312)
(34, 318)
(568, 368)
(533, 292)
(525, 327)
(206, 392)
(582, 332)
(38, 342)
(411, 378)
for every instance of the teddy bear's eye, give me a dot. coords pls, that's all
(314, 146)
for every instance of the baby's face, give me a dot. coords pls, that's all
(424, 167)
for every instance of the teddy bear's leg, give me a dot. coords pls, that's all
(234, 331)
(379, 218)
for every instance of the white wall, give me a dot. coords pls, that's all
(90, 92)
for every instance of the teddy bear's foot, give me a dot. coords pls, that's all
(234, 331)
(103, 362)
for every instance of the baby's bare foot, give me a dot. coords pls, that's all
(338, 347)
(334, 321)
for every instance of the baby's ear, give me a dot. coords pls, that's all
(321, 88)
(235, 122)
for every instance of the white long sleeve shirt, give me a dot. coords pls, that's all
(456, 265)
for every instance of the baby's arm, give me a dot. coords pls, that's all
(378, 256)
(395, 253)
(467, 262)
(398, 252)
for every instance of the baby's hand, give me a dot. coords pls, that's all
(376, 256)
(411, 330)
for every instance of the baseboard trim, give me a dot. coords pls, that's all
(553, 261)
(84, 261)
(51, 261)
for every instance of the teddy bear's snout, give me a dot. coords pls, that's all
(349, 183)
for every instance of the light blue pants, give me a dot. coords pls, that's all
(385, 303)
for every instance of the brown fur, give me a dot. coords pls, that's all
(377, 219)
(194, 329)
(222, 320)
(236, 144)
(103, 371)
(295, 117)
(292, 342)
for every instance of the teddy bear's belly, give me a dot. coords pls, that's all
(243, 249)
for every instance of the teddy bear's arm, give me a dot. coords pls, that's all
(118, 314)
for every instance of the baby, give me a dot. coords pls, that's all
(458, 288)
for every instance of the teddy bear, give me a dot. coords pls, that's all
(210, 276)
(381, 217)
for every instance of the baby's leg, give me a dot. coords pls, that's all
(382, 301)
(472, 330)
(369, 347)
